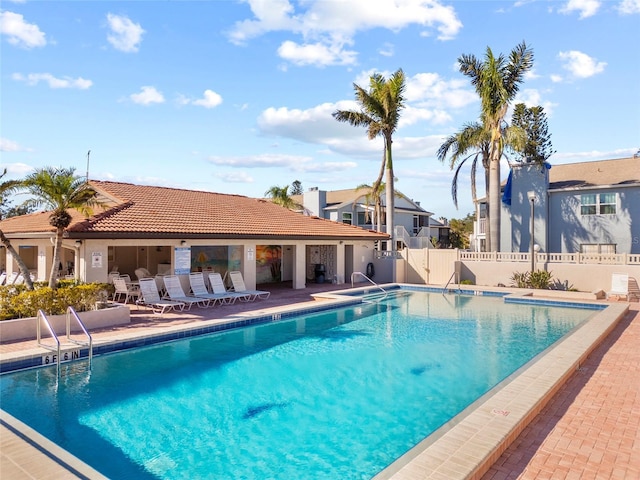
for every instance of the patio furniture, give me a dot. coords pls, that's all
(124, 290)
(150, 297)
(199, 289)
(217, 285)
(619, 286)
(176, 293)
(240, 287)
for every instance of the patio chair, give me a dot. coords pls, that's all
(619, 286)
(240, 287)
(176, 293)
(142, 273)
(12, 279)
(150, 297)
(3, 277)
(634, 289)
(199, 289)
(217, 285)
(124, 290)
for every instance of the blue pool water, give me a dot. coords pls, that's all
(338, 394)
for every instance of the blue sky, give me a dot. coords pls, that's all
(236, 96)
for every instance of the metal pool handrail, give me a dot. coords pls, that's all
(42, 317)
(72, 313)
(370, 281)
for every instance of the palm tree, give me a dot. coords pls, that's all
(496, 82)
(5, 188)
(59, 190)
(280, 196)
(380, 112)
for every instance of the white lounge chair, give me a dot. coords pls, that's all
(3, 277)
(200, 290)
(11, 280)
(150, 297)
(619, 285)
(176, 293)
(124, 290)
(240, 287)
(217, 285)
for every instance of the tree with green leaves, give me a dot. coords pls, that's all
(280, 196)
(379, 113)
(460, 229)
(296, 188)
(59, 190)
(6, 187)
(496, 81)
(533, 121)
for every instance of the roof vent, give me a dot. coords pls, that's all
(313, 189)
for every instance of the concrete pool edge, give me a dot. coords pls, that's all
(466, 448)
(59, 459)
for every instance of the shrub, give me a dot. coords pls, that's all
(538, 279)
(18, 302)
(467, 282)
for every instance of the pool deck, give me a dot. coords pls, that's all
(590, 427)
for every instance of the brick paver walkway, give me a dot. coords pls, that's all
(591, 428)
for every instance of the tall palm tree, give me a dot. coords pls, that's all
(5, 188)
(379, 112)
(280, 196)
(496, 81)
(59, 190)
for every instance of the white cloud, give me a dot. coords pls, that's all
(587, 8)
(54, 82)
(629, 7)
(147, 96)
(210, 100)
(7, 145)
(581, 65)
(316, 54)
(326, 27)
(125, 35)
(260, 161)
(532, 98)
(429, 89)
(294, 163)
(387, 50)
(21, 33)
(17, 170)
(234, 177)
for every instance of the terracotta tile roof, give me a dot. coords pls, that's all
(621, 171)
(148, 211)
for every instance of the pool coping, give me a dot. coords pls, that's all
(465, 447)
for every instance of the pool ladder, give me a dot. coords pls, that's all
(384, 292)
(71, 314)
(444, 290)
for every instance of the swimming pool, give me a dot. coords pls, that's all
(335, 394)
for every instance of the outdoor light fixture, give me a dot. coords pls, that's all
(531, 195)
(78, 243)
(183, 242)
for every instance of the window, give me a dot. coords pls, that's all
(588, 204)
(346, 218)
(603, 204)
(364, 219)
(598, 248)
(607, 203)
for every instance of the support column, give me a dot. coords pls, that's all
(299, 266)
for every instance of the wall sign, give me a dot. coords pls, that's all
(182, 260)
(96, 259)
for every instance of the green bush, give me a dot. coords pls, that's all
(538, 279)
(18, 302)
(467, 282)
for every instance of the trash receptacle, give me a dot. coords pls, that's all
(319, 271)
